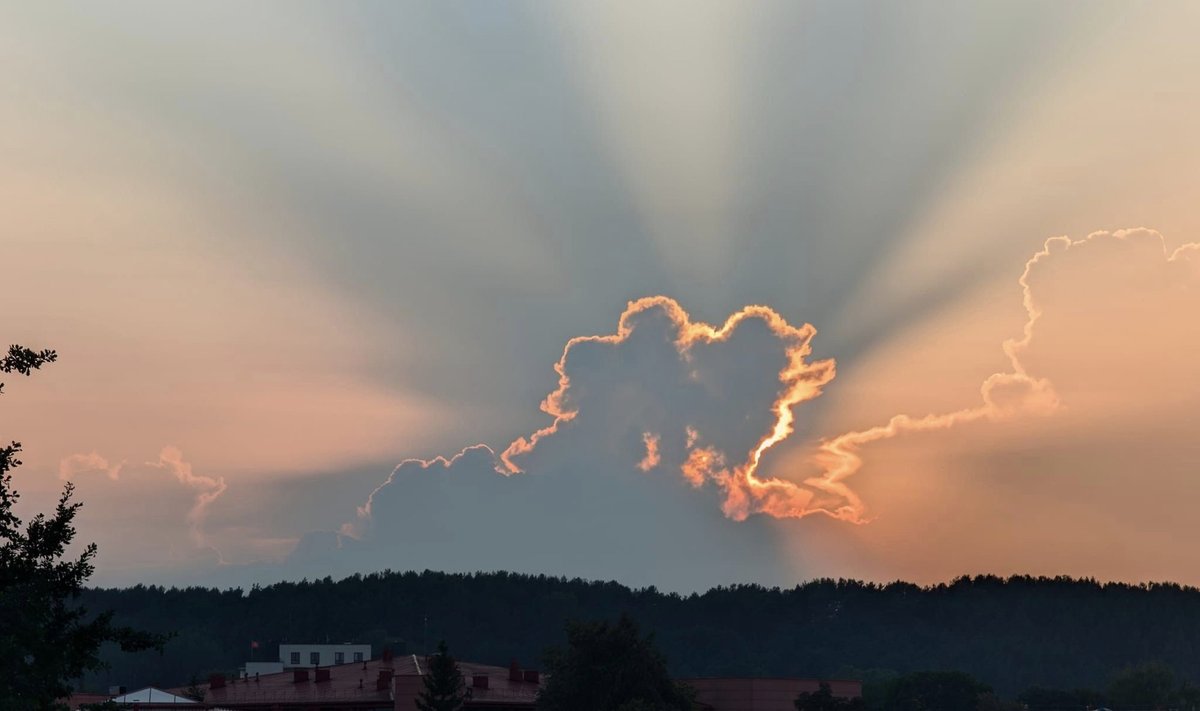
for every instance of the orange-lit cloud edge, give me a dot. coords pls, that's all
(1005, 394)
(745, 492)
(1011, 393)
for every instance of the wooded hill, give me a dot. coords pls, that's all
(1011, 633)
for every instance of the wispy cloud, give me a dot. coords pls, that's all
(72, 466)
(208, 489)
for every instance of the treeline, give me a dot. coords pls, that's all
(1010, 633)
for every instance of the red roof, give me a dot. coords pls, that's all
(349, 686)
(77, 700)
(501, 691)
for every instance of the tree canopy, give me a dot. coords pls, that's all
(46, 638)
(608, 666)
(823, 700)
(936, 691)
(1012, 633)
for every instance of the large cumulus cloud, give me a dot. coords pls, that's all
(648, 464)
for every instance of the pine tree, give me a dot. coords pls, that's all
(46, 638)
(445, 689)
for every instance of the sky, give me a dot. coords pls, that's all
(669, 293)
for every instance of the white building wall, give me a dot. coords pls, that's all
(263, 668)
(302, 655)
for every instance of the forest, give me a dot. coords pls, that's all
(1010, 633)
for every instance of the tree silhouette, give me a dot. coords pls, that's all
(1148, 685)
(940, 690)
(610, 666)
(46, 637)
(823, 700)
(444, 687)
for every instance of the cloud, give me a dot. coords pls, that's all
(208, 489)
(659, 434)
(1078, 458)
(76, 464)
(625, 477)
(1016, 392)
(652, 457)
(697, 372)
(153, 521)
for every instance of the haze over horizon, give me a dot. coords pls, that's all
(680, 297)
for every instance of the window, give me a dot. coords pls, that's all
(358, 656)
(295, 657)
(314, 658)
(339, 657)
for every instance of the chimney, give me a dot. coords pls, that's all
(299, 675)
(531, 676)
(387, 655)
(514, 671)
(322, 674)
(479, 681)
(216, 681)
(384, 682)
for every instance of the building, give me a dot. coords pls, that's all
(385, 684)
(257, 668)
(323, 655)
(151, 696)
(143, 699)
(392, 683)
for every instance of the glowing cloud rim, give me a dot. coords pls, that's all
(745, 492)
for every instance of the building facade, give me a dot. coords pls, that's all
(293, 656)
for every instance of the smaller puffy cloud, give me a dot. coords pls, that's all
(150, 519)
(72, 466)
(1010, 394)
(652, 457)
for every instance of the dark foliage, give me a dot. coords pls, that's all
(443, 687)
(943, 691)
(46, 637)
(1013, 633)
(823, 700)
(609, 666)
(1150, 685)
(1040, 698)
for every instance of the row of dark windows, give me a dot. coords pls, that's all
(314, 658)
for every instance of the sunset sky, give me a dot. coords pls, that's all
(672, 293)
